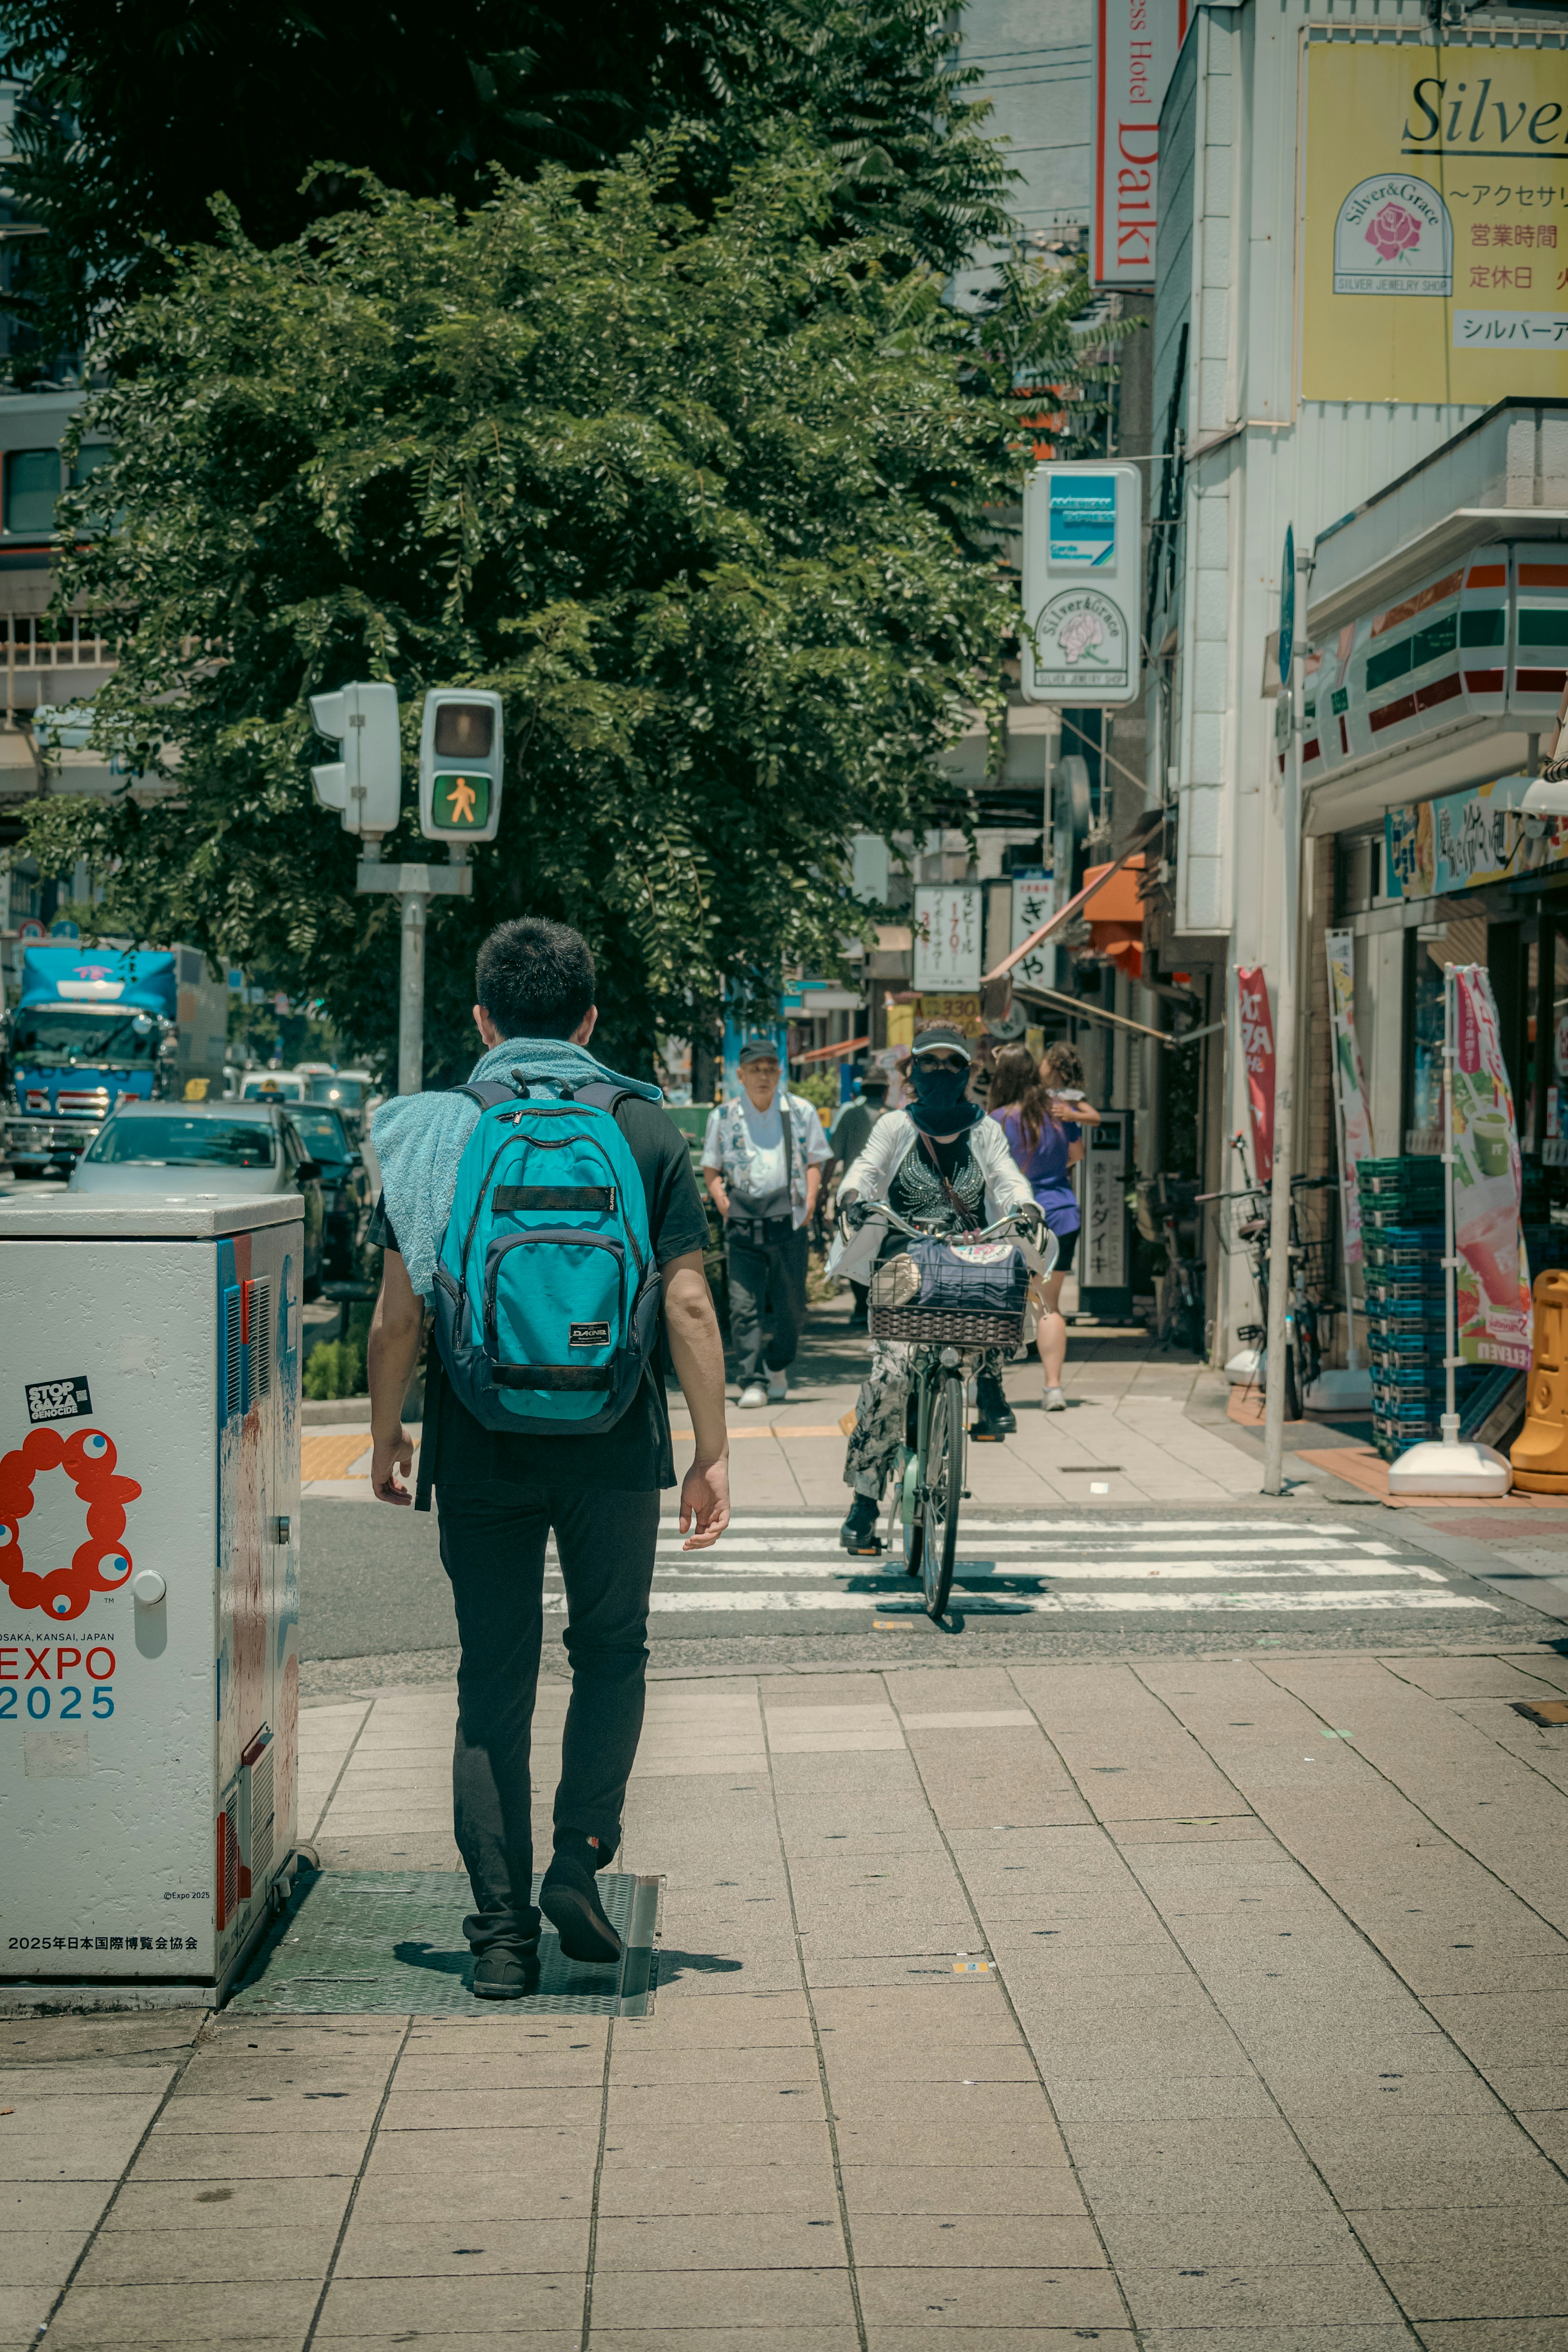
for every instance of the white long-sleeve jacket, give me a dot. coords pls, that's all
(895, 1136)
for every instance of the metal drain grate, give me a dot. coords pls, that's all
(391, 1943)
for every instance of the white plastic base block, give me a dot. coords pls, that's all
(1339, 1389)
(1244, 1368)
(1449, 1466)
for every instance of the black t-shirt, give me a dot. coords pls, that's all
(635, 1454)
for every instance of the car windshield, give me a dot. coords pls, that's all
(48, 1038)
(272, 1089)
(322, 1131)
(343, 1093)
(171, 1141)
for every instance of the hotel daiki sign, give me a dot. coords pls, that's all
(1135, 49)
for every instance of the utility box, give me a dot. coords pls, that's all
(149, 1588)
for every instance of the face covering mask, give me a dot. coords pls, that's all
(937, 1089)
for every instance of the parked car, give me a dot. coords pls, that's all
(176, 1149)
(344, 1187)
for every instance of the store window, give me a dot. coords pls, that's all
(32, 484)
(1428, 950)
(1423, 1119)
(1553, 1043)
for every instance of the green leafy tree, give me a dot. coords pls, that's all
(135, 113)
(708, 501)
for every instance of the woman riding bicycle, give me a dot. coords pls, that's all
(1026, 1102)
(941, 1161)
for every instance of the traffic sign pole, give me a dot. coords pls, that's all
(1291, 671)
(415, 887)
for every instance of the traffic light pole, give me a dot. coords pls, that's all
(415, 887)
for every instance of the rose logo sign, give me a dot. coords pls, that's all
(1394, 231)
(1078, 636)
(101, 1563)
(1404, 221)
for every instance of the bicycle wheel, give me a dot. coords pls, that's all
(943, 1489)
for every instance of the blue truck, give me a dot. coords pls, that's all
(94, 1024)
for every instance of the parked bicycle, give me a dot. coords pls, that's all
(1166, 1214)
(948, 1349)
(1303, 1308)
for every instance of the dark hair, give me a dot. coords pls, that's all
(1062, 1066)
(535, 978)
(1015, 1086)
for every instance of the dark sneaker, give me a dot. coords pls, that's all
(570, 1901)
(994, 1416)
(503, 1973)
(858, 1532)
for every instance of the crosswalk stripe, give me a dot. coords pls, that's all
(805, 1523)
(1041, 1604)
(708, 1565)
(771, 1548)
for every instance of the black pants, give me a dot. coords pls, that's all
(492, 1548)
(767, 1276)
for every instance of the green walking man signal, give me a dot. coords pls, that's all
(461, 754)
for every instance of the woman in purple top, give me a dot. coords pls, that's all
(1045, 1146)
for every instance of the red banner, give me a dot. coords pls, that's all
(1257, 1048)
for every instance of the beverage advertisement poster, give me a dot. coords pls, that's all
(1355, 1124)
(1464, 840)
(1493, 1278)
(1258, 1053)
(1435, 238)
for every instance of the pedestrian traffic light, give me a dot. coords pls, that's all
(460, 757)
(366, 784)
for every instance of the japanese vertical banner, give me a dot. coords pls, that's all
(1258, 1052)
(1355, 1124)
(1493, 1278)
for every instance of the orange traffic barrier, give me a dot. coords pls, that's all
(1540, 1452)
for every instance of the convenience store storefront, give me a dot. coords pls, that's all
(1439, 615)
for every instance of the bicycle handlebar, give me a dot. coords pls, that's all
(1014, 1219)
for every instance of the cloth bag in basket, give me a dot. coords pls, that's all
(954, 1278)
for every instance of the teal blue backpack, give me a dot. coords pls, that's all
(547, 1297)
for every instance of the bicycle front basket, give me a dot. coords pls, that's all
(928, 1327)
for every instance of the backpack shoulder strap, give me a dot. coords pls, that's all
(599, 1095)
(489, 1092)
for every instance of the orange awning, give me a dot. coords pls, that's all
(832, 1052)
(1116, 924)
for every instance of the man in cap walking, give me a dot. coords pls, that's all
(763, 1159)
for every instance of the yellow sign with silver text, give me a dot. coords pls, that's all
(1435, 241)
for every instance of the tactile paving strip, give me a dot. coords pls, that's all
(391, 1943)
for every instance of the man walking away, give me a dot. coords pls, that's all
(762, 1159)
(501, 1494)
(847, 1140)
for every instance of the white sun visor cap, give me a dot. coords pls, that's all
(942, 1040)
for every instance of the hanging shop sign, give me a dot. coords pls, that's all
(948, 937)
(1258, 1053)
(1355, 1122)
(1104, 1263)
(1082, 569)
(1465, 840)
(1135, 47)
(1486, 639)
(1035, 901)
(1493, 1276)
(1435, 236)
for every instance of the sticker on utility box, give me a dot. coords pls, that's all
(65, 1399)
